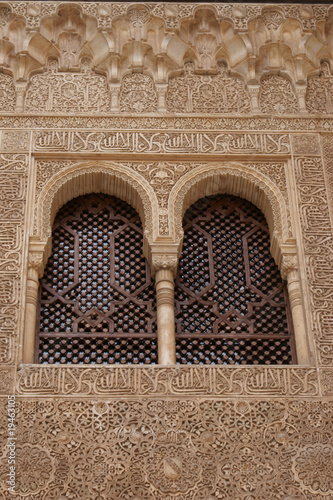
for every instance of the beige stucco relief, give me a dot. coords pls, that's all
(13, 184)
(187, 448)
(127, 107)
(161, 192)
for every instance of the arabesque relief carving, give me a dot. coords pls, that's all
(138, 94)
(161, 104)
(317, 236)
(83, 92)
(319, 96)
(277, 96)
(207, 93)
(7, 93)
(12, 209)
(184, 449)
(95, 45)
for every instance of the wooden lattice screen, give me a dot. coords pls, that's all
(97, 300)
(231, 303)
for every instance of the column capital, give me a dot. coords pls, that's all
(289, 265)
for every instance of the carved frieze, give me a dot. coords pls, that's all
(161, 142)
(164, 122)
(173, 381)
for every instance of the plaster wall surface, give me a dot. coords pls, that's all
(161, 104)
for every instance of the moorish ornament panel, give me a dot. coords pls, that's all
(184, 449)
(162, 93)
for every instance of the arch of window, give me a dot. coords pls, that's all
(96, 298)
(231, 303)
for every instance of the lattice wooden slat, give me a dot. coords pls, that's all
(231, 303)
(97, 299)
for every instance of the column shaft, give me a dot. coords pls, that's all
(30, 316)
(295, 298)
(165, 317)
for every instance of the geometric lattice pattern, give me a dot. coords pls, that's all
(231, 303)
(97, 299)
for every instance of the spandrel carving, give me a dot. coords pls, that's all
(319, 95)
(60, 92)
(197, 93)
(7, 93)
(138, 94)
(277, 96)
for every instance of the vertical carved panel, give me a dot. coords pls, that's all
(319, 94)
(12, 210)
(318, 242)
(7, 93)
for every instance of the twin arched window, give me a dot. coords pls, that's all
(97, 298)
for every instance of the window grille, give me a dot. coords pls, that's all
(97, 299)
(231, 303)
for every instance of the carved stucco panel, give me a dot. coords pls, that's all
(164, 176)
(86, 177)
(244, 180)
(13, 183)
(175, 123)
(277, 96)
(182, 449)
(318, 241)
(59, 93)
(7, 93)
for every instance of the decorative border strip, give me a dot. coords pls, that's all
(116, 381)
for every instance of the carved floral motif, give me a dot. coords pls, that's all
(306, 144)
(7, 93)
(58, 92)
(5, 15)
(319, 94)
(138, 94)
(313, 468)
(183, 449)
(219, 93)
(277, 96)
